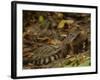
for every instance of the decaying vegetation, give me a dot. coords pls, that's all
(56, 39)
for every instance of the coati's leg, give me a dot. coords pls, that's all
(76, 50)
(76, 47)
(66, 51)
(87, 44)
(80, 47)
(71, 49)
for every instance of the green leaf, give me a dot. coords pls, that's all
(63, 22)
(86, 63)
(41, 18)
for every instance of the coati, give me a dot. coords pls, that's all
(74, 43)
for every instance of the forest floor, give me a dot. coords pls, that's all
(51, 28)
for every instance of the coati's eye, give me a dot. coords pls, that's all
(71, 35)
